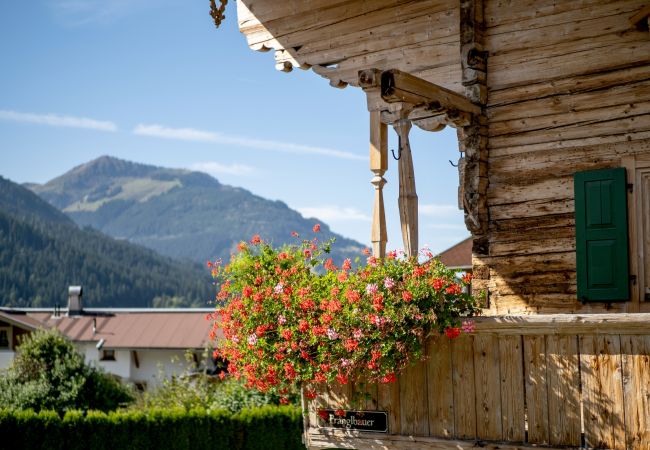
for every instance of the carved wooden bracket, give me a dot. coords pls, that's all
(430, 107)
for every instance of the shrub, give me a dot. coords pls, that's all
(269, 427)
(49, 373)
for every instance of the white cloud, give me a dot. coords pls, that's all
(191, 134)
(215, 168)
(437, 210)
(55, 120)
(334, 213)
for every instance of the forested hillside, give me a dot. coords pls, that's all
(42, 253)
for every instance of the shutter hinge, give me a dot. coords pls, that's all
(630, 187)
(633, 279)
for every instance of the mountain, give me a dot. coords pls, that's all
(42, 252)
(179, 213)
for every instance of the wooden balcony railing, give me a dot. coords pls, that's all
(577, 381)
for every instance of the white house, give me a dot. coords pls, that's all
(135, 344)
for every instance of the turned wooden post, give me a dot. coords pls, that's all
(378, 166)
(408, 198)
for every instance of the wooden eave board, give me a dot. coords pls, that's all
(342, 37)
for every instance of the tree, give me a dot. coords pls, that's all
(49, 373)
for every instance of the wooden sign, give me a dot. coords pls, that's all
(375, 421)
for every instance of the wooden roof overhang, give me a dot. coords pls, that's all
(419, 62)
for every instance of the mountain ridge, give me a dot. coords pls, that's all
(179, 213)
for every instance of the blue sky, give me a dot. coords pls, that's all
(153, 81)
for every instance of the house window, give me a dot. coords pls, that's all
(5, 337)
(108, 355)
(601, 235)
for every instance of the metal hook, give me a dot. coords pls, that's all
(452, 164)
(399, 149)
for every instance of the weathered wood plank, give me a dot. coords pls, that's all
(488, 387)
(462, 354)
(620, 94)
(600, 140)
(374, 441)
(563, 390)
(414, 413)
(615, 126)
(388, 399)
(635, 353)
(419, 22)
(537, 127)
(570, 85)
(601, 374)
(545, 303)
(536, 389)
(530, 209)
(440, 396)
(512, 388)
(371, 396)
(573, 58)
(542, 31)
(524, 10)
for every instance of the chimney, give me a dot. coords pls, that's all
(74, 301)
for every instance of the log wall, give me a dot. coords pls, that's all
(557, 381)
(568, 90)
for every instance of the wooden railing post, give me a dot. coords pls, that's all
(378, 166)
(408, 198)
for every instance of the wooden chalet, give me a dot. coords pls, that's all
(551, 103)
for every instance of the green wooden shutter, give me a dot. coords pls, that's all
(601, 235)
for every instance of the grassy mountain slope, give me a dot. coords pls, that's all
(179, 213)
(42, 252)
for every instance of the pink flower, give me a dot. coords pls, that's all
(316, 228)
(468, 326)
(372, 261)
(366, 251)
(256, 240)
(332, 334)
(371, 288)
(278, 288)
(252, 339)
(307, 253)
(389, 283)
(358, 334)
(282, 320)
(347, 264)
(294, 234)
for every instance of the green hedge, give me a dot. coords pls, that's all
(268, 427)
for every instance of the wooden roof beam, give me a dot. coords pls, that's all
(398, 86)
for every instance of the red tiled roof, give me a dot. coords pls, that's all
(177, 330)
(20, 319)
(459, 256)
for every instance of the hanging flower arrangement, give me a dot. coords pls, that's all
(290, 317)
